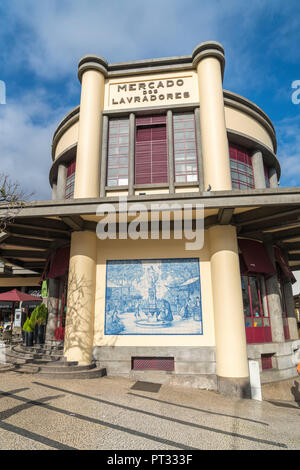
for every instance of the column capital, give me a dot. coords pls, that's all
(209, 49)
(92, 62)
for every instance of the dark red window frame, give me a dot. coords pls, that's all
(266, 361)
(257, 324)
(242, 176)
(267, 177)
(151, 150)
(70, 183)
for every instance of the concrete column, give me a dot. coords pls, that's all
(61, 182)
(79, 329)
(274, 303)
(171, 152)
(230, 335)
(131, 160)
(52, 308)
(273, 178)
(104, 154)
(258, 170)
(54, 191)
(199, 150)
(92, 71)
(208, 58)
(290, 310)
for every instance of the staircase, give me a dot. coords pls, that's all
(47, 361)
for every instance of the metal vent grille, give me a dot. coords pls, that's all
(153, 363)
(266, 361)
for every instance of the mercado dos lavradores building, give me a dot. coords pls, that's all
(165, 131)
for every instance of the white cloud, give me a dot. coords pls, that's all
(57, 33)
(25, 143)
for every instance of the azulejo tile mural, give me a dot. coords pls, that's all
(153, 297)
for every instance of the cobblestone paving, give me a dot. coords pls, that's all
(107, 413)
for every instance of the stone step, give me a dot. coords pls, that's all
(37, 350)
(85, 374)
(26, 369)
(59, 363)
(49, 368)
(19, 355)
(42, 348)
(72, 372)
(6, 367)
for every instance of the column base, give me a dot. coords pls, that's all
(234, 386)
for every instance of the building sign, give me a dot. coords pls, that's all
(18, 317)
(152, 92)
(153, 297)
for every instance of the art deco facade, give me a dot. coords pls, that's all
(165, 130)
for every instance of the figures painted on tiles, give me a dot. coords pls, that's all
(159, 296)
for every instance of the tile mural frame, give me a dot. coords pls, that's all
(160, 331)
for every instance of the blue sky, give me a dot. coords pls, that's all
(41, 43)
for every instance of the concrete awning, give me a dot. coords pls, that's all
(41, 227)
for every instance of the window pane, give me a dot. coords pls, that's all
(118, 149)
(185, 147)
(241, 168)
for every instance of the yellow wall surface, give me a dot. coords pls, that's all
(241, 122)
(68, 138)
(152, 249)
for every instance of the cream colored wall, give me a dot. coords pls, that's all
(151, 191)
(187, 189)
(231, 351)
(87, 176)
(241, 122)
(68, 138)
(214, 142)
(110, 193)
(151, 249)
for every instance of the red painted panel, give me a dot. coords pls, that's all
(71, 168)
(266, 361)
(259, 334)
(153, 363)
(255, 256)
(148, 120)
(151, 154)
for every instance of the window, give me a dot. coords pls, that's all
(185, 154)
(241, 168)
(267, 178)
(256, 311)
(266, 361)
(118, 150)
(151, 152)
(69, 194)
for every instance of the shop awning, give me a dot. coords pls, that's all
(256, 257)
(15, 295)
(283, 264)
(59, 263)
